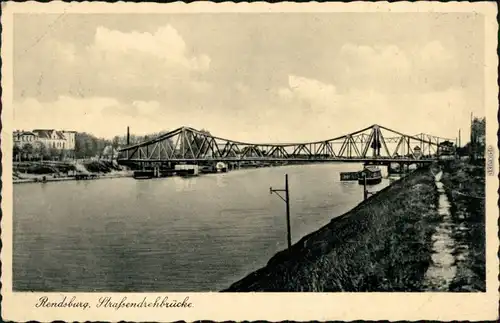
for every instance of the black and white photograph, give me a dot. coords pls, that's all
(239, 151)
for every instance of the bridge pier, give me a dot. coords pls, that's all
(390, 169)
(404, 167)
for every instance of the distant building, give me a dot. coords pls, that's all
(50, 138)
(417, 152)
(21, 138)
(446, 148)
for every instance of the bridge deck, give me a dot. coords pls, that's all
(271, 159)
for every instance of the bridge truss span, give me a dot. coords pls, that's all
(186, 144)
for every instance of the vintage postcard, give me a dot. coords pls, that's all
(253, 161)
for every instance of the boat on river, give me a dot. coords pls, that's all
(144, 174)
(370, 175)
(184, 170)
(221, 167)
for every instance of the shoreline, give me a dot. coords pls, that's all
(49, 178)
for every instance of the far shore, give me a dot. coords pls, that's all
(30, 178)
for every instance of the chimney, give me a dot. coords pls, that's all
(128, 135)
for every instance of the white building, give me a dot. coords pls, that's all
(50, 138)
(21, 138)
(59, 140)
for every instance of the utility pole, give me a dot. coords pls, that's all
(286, 199)
(472, 145)
(365, 191)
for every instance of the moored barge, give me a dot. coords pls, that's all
(370, 175)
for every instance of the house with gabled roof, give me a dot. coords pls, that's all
(21, 138)
(51, 138)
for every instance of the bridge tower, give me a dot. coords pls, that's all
(376, 141)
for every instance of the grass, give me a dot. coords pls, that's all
(384, 244)
(468, 212)
(102, 166)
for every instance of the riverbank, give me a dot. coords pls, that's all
(383, 244)
(465, 186)
(28, 178)
(47, 171)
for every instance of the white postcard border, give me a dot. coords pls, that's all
(259, 306)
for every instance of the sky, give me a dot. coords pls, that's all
(272, 77)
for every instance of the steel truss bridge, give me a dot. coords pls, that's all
(375, 144)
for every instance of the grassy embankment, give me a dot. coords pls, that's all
(384, 244)
(22, 169)
(465, 187)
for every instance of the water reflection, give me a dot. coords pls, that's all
(221, 180)
(184, 184)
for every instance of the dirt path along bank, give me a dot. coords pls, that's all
(464, 184)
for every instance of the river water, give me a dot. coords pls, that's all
(170, 234)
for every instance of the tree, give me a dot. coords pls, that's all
(16, 152)
(478, 136)
(53, 153)
(116, 142)
(87, 145)
(63, 154)
(41, 151)
(28, 151)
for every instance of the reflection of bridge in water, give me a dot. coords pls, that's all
(374, 144)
